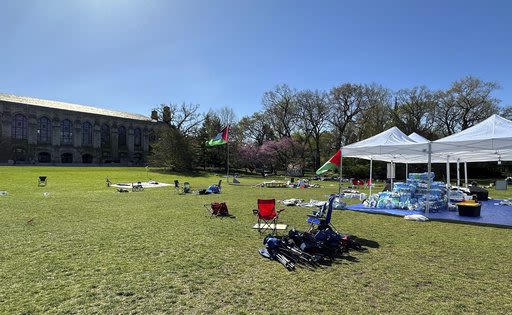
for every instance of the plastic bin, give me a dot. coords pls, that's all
(469, 209)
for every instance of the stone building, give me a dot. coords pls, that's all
(37, 131)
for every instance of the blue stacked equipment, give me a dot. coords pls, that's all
(412, 195)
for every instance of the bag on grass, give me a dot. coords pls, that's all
(219, 208)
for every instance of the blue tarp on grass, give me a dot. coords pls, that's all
(490, 214)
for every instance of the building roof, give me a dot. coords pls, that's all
(69, 106)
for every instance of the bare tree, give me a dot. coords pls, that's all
(414, 110)
(281, 109)
(313, 112)
(465, 104)
(184, 117)
(347, 103)
(377, 115)
(227, 116)
(255, 128)
(506, 112)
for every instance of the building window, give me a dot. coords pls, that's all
(65, 132)
(105, 134)
(87, 159)
(66, 158)
(137, 138)
(44, 157)
(121, 136)
(44, 133)
(19, 127)
(86, 134)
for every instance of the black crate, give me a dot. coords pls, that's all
(469, 210)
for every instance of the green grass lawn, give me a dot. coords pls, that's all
(91, 250)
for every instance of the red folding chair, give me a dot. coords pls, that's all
(355, 183)
(267, 215)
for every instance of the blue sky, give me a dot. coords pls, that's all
(133, 55)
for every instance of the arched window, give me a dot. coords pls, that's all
(66, 158)
(86, 134)
(44, 133)
(121, 136)
(19, 127)
(137, 138)
(65, 132)
(87, 158)
(44, 157)
(105, 134)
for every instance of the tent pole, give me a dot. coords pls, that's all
(371, 181)
(406, 170)
(458, 173)
(227, 161)
(429, 169)
(466, 173)
(341, 171)
(448, 185)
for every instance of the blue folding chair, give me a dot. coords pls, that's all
(321, 219)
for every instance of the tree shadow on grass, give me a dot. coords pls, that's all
(166, 171)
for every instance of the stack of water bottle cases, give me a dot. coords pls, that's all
(412, 195)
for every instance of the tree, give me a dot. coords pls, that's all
(210, 126)
(255, 128)
(227, 116)
(184, 117)
(466, 103)
(313, 113)
(248, 157)
(377, 114)
(277, 154)
(174, 146)
(281, 109)
(414, 111)
(347, 103)
(506, 112)
(172, 149)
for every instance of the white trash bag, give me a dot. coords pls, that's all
(416, 217)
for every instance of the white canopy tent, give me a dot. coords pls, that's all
(419, 139)
(490, 140)
(487, 141)
(389, 146)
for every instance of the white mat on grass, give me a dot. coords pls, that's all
(271, 227)
(144, 184)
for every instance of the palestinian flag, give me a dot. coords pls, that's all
(219, 139)
(333, 163)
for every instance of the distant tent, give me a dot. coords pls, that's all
(419, 139)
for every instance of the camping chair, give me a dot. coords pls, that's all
(137, 187)
(42, 181)
(267, 214)
(217, 209)
(322, 218)
(185, 189)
